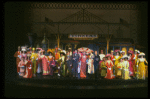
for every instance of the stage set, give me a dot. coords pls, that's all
(81, 48)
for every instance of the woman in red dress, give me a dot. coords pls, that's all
(109, 65)
(83, 66)
(44, 63)
(17, 55)
(29, 68)
(130, 59)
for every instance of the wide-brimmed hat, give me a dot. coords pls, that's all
(137, 51)
(63, 52)
(141, 54)
(23, 48)
(125, 56)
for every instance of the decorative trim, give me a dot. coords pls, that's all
(102, 6)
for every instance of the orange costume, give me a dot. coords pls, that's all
(17, 59)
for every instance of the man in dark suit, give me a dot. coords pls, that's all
(96, 64)
(75, 63)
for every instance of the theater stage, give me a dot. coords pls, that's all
(68, 87)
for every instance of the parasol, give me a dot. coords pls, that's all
(117, 50)
(85, 49)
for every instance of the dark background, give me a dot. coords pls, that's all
(15, 35)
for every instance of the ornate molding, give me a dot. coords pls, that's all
(102, 6)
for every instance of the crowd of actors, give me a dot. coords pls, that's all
(81, 64)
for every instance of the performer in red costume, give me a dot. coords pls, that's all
(109, 65)
(29, 67)
(130, 59)
(112, 56)
(17, 55)
(83, 66)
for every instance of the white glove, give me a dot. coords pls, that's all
(136, 65)
(58, 67)
(109, 68)
(32, 57)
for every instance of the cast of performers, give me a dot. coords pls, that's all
(81, 64)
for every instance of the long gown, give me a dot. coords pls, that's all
(29, 70)
(22, 66)
(131, 71)
(119, 67)
(50, 58)
(91, 66)
(52, 66)
(45, 65)
(100, 66)
(33, 58)
(134, 64)
(17, 60)
(125, 71)
(63, 66)
(142, 68)
(109, 65)
(83, 66)
(116, 62)
(103, 69)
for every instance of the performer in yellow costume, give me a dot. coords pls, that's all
(33, 58)
(119, 68)
(141, 66)
(125, 70)
(117, 57)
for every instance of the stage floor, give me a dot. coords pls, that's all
(47, 86)
(75, 83)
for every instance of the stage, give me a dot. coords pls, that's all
(47, 86)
